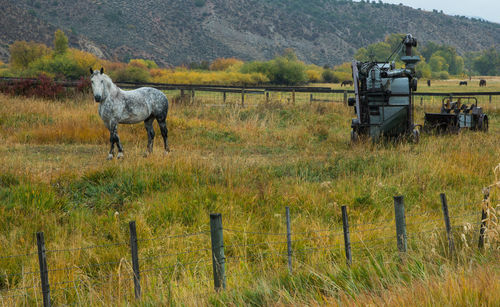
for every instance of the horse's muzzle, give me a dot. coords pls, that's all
(97, 98)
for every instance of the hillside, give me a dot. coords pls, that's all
(174, 32)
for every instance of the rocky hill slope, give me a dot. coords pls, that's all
(174, 32)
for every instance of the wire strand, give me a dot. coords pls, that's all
(174, 265)
(85, 247)
(175, 254)
(70, 268)
(174, 236)
(19, 274)
(257, 233)
(256, 244)
(371, 229)
(18, 256)
(16, 289)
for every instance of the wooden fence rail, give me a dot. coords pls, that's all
(249, 89)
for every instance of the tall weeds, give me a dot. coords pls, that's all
(247, 164)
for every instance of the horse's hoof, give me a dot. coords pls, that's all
(146, 154)
(110, 157)
(120, 155)
(166, 152)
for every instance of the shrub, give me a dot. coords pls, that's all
(83, 59)
(47, 88)
(344, 67)
(31, 59)
(287, 72)
(205, 77)
(59, 66)
(328, 76)
(44, 87)
(284, 70)
(203, 65)
(144, 64)
(22, 54)
(442, 75)
(132, 73)
(110, 67)
(225, 63)
(313, 75)
(342, 76)
(83, 85)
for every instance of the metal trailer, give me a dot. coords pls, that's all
(456, 115)
(383, 97)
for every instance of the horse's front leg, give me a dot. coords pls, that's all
(113, 138)
(112, 143)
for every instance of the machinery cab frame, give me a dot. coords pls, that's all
(383, 97)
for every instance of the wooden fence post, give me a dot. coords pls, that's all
(447, 223)
(347, 238)
(311, 98)
(243, 97)
(482, 230)
(490, 98)
(224, 97)
(135, 259)
(289, 239)
(267, 97)
(44, 274)
(345, 97)
(218, 259)
(293, 96)
(399, 211)
(192, 96)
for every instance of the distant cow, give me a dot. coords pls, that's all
(482, 82)
(428, 82)
(463, 83)
(346, 83)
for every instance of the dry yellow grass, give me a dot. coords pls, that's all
(478, 286)
(247, 163)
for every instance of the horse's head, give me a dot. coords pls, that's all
(98, 79)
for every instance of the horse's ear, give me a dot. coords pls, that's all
(102, 70)
(91, 71)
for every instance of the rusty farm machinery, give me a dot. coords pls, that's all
(383, 101)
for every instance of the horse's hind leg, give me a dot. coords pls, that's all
(164, 133)
(148, 124)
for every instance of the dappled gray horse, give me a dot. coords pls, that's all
(129, 107)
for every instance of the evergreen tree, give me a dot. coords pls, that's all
(60, 42)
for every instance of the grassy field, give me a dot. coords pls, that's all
(247, 164)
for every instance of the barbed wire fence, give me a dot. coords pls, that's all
(133, 270)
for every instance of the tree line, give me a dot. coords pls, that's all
(30, 59)
(438, 61)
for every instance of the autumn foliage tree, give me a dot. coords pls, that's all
(22, 54)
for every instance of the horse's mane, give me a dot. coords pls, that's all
(111, 83)
(107, 78)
